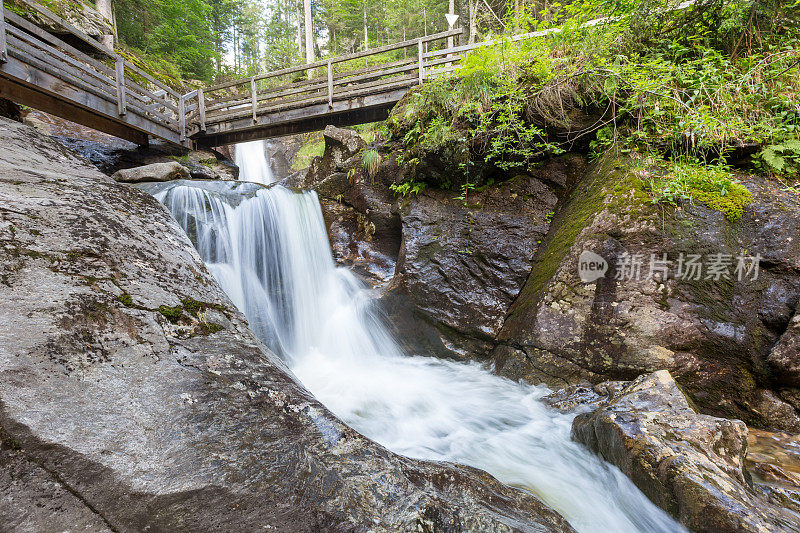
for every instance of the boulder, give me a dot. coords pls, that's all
(153, 172)
(689, 464)
(463, 261)
(715, 336)
(134, 397)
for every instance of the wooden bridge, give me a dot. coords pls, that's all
(89, 84)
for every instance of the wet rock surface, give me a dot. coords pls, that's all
(133, 396)
(689, 464)
(722, 339)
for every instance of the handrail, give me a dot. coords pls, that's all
(334, 60)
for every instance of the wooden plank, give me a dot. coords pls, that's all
(310, 100)
(60, 62)
(330, 85)
(201, 106)
(267, 95)
(340, 59)
(420, 67)
(122, 105)
(254, 97)
(50, 65)
(292, 121)
(95, 44)
(181, 119)
(3, 51)
(65, 67)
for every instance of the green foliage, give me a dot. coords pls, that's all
(782, 159)
(313, 146)
(407, 187)
(712, 185)
(177, 32)
(371, 162)
(173, 314)
(690, 82)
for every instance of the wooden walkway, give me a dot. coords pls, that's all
(93, 86)
(89, 84)
(99, 88)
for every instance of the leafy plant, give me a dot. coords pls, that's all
(371, 162)
(712, 185)
(407, 187)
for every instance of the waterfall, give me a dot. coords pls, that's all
(253, 165)
(269, 250)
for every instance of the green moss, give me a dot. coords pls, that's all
(195, 307)
(173, 314)
(208, 328)
(126, 300)
(313, 146)
(713, 186)
(588, 199)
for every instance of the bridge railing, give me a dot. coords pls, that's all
(100, 78)
(328, 81)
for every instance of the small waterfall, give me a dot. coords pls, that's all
(253, 165)
(269, 250)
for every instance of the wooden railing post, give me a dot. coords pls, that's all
(254, 94)
(330, 84)
(182, 116)
(3, 49)
(201, 108)
(420, 51)
(122, 104)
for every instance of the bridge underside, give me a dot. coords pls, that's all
(361, 110)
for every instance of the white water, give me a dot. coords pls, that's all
(251, 159)
(269, 250)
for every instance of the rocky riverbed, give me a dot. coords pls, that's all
(133, 396)
(113, 299)
(494, 277)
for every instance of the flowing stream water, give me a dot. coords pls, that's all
(269, 250)
(251, 158)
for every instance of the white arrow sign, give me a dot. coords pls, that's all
(451, 19)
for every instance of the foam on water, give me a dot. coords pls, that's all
(270, 252)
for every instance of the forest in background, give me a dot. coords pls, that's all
(213, 40)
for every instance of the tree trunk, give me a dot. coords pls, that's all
(104, 8)
(299, 28)
(309, 35)
(473, 20)
(366, 34)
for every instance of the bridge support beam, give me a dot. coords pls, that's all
(314, 123)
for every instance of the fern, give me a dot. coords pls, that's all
(782, 158)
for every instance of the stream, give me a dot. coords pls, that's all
(269, 250)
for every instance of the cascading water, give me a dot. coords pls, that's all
(269, 250)
(251, 159)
